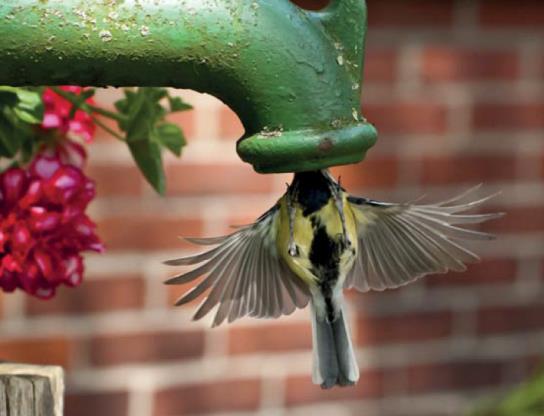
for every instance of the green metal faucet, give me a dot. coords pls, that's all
(292, 76)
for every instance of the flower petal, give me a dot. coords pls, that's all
(21, 239)
(44, 167)
(33, 194)
(8, 281)
(72, 153)
(73, 270)
(42, 220)
(13, 184)
(64, 184)
(44, 262)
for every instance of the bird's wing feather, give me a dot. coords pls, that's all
(245, 274)
(399, 243)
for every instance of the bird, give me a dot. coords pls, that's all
(315, 242)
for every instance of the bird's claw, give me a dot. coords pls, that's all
(293, 250)
(344, 241)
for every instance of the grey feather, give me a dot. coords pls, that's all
(399, 243)
(333, 355)
(245, 275)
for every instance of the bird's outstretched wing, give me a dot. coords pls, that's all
(399, 243)
(245, 274)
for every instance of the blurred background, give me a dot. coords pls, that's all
(455, 88)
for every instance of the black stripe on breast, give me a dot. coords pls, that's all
(325, 257)
(312, 191)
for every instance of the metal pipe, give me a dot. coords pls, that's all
(292, 76)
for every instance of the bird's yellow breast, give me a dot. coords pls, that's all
(303, 234)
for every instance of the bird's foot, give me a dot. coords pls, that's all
(293, 250)
(345, 241)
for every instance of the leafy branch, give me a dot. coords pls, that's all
(20, 110)
(141, 120)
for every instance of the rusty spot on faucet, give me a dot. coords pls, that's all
(325, 145)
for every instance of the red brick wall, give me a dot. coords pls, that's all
(456, 91)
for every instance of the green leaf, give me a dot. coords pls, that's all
(147, 132)
(87, 93)
(123, 104)
(13, 133)
(29, 106)
(177, 104)
(141, 113)
(79, 101)
(147, 155)
(28, 149)
(156, 94)
(11, 141)
(170, 136)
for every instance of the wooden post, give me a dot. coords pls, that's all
(31, 390)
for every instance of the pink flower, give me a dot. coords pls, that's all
(67, 152)
(57, 115)
(43, 226)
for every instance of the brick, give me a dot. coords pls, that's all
(116, 349)
(374, 172)
(506, 319)
(146, 232)
(524, 14)
(248, 214)
(219, 396)
(521, 369)
(312, 4)
(186, 121)
(380, 65)
(300, 390)
(46, 351)
(239, 220)
(203, 179)
(500, 117)
(441, 63)
(460, 168)
(96, 403)
(93, 296)
(270, 338)
(115, 179)
(407, 117)
(230, 126)
(531, 365)
(366, 301)
(410, 13)
(451, 376)
(489, 271)
(518, 220)
(412, 327)
(103, 135)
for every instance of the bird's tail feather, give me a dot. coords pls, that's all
(333, 356)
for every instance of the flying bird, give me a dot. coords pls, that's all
(316, 241)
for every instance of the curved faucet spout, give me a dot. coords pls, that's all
(292, 76)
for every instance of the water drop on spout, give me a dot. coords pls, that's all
(144, 31)
(105, 35)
